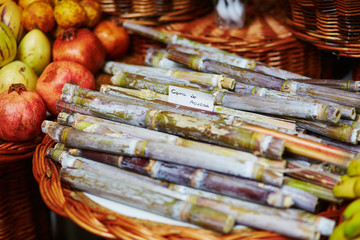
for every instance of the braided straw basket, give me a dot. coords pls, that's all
(110, 225)
(23, 214)
(331, 25)
(151, 12)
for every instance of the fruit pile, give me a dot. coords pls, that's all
(45, 44)
(349, 188)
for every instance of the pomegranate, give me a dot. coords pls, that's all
(81, 46)
(21, 113)
(114, 37)
(56, 74)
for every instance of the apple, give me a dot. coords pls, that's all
(55, 75)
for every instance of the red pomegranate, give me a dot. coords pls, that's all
(21, 113)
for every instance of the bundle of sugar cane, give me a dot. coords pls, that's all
(105, 127)
(293, 144)
(300, 198)
(244, 213)
(346, 111)
(347, 85)
(304, 147)
(139, 197)
(253, 103)
(240, 188)
(246, 76)
(138, 165)
(216, 53)
(249, 117)
(214, 80)
(102, 126)
(154, 150)
(179, 208)
(185, 125)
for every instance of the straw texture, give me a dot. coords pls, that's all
(23, 214)
(108, 224)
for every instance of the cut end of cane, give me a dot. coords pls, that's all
(326, 226)
(333, 114)
(272, 147)
(228, 83)
(62, 118)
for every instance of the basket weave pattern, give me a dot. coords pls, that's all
(151, 12)
(23, 214)
(108, 224)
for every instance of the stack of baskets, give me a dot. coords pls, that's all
(332, 25)
(23, 214)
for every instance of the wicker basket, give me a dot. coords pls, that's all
(265, 38)
(23, 214)
(151, 12)
(331, 25)
(108, 224)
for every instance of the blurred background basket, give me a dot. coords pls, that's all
(265, 38)
(23, 214)
(110, 225)
(331, 25)
(155, 12)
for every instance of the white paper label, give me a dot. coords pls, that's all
(191, 98)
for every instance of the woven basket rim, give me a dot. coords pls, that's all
(105, 223)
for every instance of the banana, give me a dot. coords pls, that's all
(352, 208)
(357, 188)
(345, 188)
(352, 226)
(338, 233)
(354, 168)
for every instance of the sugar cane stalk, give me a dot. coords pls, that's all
(311, 175)
(339, 131)
(308, 148)
(158, 58)
(198, 178)
(150, 201)
(154, 150)
(347, 85)
(101, 126)
(154, 81)
(214, 80)
(316, 190)
(277, 106)
(168, 38)
(253, 78)
(346, 111)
